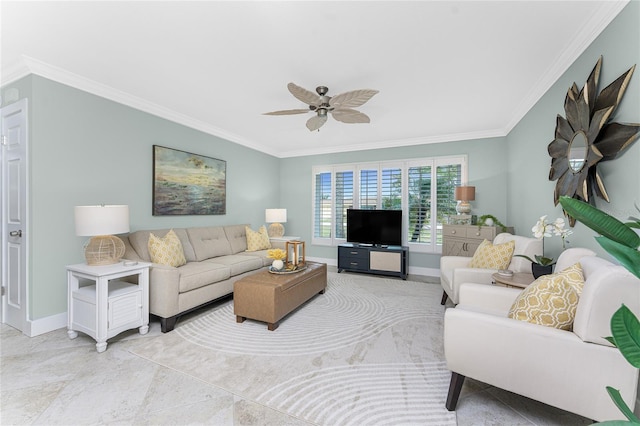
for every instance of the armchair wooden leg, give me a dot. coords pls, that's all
(444, 297)
(455, 386)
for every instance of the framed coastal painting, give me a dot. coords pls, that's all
(188, 184)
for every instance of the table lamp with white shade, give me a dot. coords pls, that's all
(276, 217)
(101, 223)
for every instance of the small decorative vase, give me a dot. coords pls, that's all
(277, 264)
(539, 270)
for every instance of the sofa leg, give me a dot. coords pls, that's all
(168, 324)
(455, 386)
(444, 297)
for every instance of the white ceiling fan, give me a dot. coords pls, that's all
(339, 106)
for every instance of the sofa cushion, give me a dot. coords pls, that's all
(166, 250)
(237, 238)
(209, 242)
(257, 240)
(199, 274)
(260, 254)
(551, 300)
(492, 256)
(238, 263)
(139, 240)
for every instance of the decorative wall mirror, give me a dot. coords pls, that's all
(586, 137)
(577, 153)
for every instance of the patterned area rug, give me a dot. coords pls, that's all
(367, 352)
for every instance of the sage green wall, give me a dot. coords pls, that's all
(530, 191)
(487, 168)
(89, 150)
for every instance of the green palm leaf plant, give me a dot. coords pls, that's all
(622, 242)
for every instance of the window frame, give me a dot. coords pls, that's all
(404, 166)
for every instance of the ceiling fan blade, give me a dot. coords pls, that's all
(347, 115)
(352, 99)
(304, 95)
(315, 122)
(287, 112)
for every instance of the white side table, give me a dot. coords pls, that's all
(280, 242)
(101, 306)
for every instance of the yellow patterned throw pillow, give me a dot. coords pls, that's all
(257, 240)
(166, 250)
(491, 256)
(551, 300)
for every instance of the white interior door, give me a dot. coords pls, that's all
(14, 215)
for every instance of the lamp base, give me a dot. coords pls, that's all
(275, 230)
(103, 250)
(463, 207)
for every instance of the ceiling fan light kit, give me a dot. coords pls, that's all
(340, 106)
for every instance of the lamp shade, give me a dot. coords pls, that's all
(101, 220)
(465, 193)
(275, 215)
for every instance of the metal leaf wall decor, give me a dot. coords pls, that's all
(587, 136)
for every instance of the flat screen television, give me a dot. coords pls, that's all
(376, 227)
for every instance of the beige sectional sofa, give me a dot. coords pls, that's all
(216, 258)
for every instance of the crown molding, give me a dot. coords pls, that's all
(589, 32)
(34, 66)
(76, 81)
(453, 137)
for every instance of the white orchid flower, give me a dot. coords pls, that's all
(544, 229)
(540, 228)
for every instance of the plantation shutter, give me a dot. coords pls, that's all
(447, 178)
(322, 213)
(419, 189)
(368, 189)
(391, 189)
(344, 201)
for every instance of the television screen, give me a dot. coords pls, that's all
(378, 227)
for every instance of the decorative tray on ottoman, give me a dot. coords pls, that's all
(288, 269)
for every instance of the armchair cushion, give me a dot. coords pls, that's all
(551, 300)
(490, 256)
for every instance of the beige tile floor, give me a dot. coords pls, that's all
(52, 380)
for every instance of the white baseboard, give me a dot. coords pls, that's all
(329, 262)
(427, 272)
(45, 325)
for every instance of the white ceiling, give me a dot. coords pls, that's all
(445, 70)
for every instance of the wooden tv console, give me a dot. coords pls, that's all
(390, 260)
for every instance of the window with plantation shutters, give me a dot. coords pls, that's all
(422, 188)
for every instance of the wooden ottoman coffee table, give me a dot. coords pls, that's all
(269, 297)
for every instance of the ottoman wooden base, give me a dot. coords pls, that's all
(269, 297)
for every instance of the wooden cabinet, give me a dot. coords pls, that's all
(392, 260)
(463, 240)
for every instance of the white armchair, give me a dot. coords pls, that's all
(566, 369)
(455, 270)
